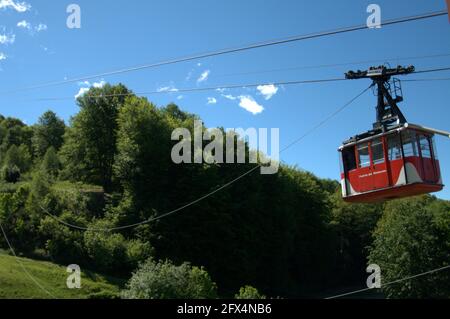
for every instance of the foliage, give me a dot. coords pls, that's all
(63, 244)
(19, 157)
(90, 144)
(111, 252)
(353, 225)
(13, 132)
(48, 132)
(413, 237)
(249, 292)
(164, 280)
(50, 163)
(10, 174)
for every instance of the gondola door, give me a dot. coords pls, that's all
(428, 164)
(380, 174)
(363, 175)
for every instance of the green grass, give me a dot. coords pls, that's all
(72, 186)
(16, 284)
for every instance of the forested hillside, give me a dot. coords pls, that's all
(287, 235)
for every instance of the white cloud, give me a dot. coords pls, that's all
(2, 56)
(212, 100)
(87, 86)
(99, 84)
(204, 76)
(7, 39)
(180, 97)
(84, 83)
(18, 6)
(41, 27)
(24, 24)
(229, 97)
(81, 92)
(268, 91)
(169, 88)
(32, 30)
(248, 103)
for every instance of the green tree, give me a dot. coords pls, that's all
(164, 280)
(18, 156)
(14, 132)
(90, 144)
(353, 226)
(50, 163)
(143, 157)
(48, 132)
(249, 292)
(413, 237)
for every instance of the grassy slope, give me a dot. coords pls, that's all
(16, 284)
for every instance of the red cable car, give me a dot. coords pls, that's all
(395, 159)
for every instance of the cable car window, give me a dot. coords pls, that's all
(425, 146)
(433, 145)
(409, 144)
(394, 147)
(349, 158)
(377, 151)
(363, 155)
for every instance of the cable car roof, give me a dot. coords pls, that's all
(378, 133)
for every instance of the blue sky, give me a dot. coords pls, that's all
(37, 47)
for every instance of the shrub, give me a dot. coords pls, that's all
(107, 250)
(164, 280)
(63, 244)
(249, 292)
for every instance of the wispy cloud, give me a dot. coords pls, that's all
(268, 91)
(204, 76)
(212, 100)
(2, 56)
(249, 104)
(230, 97)
(15, 5)
(41, 27)
(169, 88)
(7, 39)
(28, 26)
(24, 24)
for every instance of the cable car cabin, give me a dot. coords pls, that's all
(399, 163)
